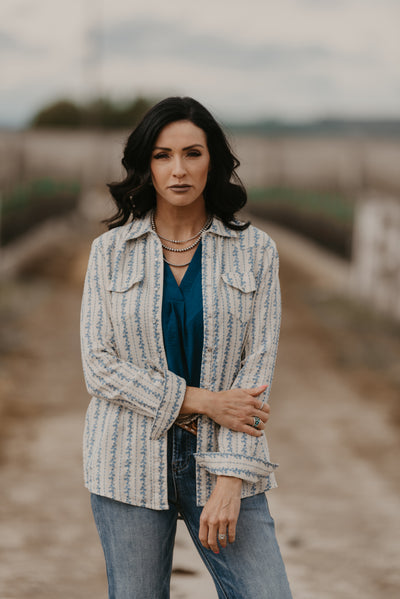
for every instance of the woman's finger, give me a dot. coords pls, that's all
(232, 531)
(212, 537)
(203, 534)
(256, 390)
(255, 422)
(261, 405)
(250, 430)
(222, 536)
(261, 414)
(262, 411)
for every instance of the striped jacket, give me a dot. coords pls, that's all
(135, 398)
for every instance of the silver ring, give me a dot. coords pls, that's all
(257, 421)
(221, 537)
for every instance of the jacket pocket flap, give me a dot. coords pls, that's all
(122, 284)
(244, 281)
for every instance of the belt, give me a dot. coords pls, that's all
(191, 427)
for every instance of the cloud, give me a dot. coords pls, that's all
(10, 44)
(286, 58)
(147, 39)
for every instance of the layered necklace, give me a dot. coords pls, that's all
(197, 237)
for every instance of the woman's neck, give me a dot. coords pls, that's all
(179, 222)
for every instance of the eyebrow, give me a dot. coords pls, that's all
(184, 149)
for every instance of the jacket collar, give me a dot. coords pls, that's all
(218, 227)
(141, 226)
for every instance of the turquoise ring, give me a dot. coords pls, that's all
(257, 421)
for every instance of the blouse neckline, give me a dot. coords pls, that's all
(190, 273)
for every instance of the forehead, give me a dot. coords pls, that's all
(181, 134)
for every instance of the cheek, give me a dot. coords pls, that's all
(156, 174)
(203, 172)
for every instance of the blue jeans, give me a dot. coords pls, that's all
(138, 542)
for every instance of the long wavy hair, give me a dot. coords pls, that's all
(134, 196)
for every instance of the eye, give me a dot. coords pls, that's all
(160, 155)
(194, 153)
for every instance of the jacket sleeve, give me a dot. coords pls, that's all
(240, 454)
(151, 392)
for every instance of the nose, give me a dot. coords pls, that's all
(178, 169)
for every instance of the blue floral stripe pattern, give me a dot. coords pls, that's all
(135, 399)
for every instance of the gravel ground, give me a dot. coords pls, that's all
(333, 429)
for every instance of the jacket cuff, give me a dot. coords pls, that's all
(169, 408)
(233, 464)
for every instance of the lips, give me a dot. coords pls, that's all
(180, 189)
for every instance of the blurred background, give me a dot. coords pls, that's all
(309, 94)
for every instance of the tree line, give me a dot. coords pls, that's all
(100, 113)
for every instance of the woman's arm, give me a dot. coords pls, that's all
(220, 514)
(231, 463)
(234, 409)
(239, 454)
(242, 456)
(149, 391)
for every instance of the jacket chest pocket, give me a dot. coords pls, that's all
(238, 294)
(135, 314)
(128, 304)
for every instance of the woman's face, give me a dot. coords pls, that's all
(180, 163)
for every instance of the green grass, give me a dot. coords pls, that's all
(30, 203)
(23, 194)
(329, 204)
(324, 216)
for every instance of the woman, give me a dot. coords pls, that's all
(180, 325)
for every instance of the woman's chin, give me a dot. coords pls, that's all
(179, 200)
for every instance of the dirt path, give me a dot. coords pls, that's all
(337, 509)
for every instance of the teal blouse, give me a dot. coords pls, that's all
(182, 321)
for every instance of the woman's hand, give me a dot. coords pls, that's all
(220, 514)
(234, 409)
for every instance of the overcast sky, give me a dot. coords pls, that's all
(259, 58)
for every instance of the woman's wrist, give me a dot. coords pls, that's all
(196, 401)
(232, 483)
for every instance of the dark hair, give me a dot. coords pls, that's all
(224, 193)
